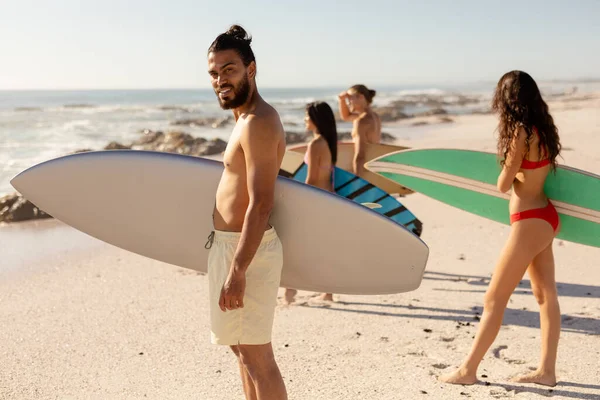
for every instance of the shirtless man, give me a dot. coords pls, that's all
(366, 124)
(246, 256)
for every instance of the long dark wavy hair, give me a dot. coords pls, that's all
(321, 115)
(518, 102)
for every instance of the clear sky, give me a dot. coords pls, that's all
(298, 43)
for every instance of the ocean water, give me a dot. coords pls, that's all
(36, 126)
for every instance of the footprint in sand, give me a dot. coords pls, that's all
(498, 349)
(312, 302)
(440, 366)
(497, 354)
(517, 362)
(498, 394)
(190, 272)
(297, 303)
(447, 339)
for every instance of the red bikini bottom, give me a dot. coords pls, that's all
(547, 213)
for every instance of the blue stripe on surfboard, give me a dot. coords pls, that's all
(412, 227)
(348, 184)
(301, 174)
(342, 177)
(351, 187)
(404, 217)
(387, 204)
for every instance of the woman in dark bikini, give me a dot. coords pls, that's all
(320, 157)
(528, 144)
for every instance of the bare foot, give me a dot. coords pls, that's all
(326, 297)
(290, 296)
(459, 377)
(539, 377)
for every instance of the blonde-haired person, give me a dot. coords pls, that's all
(355, 106)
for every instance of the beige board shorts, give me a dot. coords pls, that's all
(253, 323)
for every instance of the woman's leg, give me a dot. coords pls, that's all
(543, 283)
(526, 240)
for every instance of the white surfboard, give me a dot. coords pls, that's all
(160, 205)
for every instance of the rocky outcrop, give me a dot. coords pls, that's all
(433, 103)
(116, 146)
(178, 142)
(15, 208)
(293, 137)
(212, 122)
(433, 111)
(28, 109)
(347, 136)
(174, 108)
(391, 113)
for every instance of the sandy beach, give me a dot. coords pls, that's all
(85, 320)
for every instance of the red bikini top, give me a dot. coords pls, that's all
(526, 164)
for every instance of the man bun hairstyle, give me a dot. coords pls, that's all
(236, 38)
(365, 91)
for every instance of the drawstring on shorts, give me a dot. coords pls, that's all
(211, 239)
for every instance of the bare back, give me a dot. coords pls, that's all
(527, 183)
(370, 127)
(254, 154)
(528, 186)
(320, 167)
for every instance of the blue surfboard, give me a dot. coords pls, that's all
(354, 188)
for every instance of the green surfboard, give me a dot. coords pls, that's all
(466, 179)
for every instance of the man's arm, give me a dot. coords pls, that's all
(512, 164)
(359, 131)
(259, 142)
(345, 113)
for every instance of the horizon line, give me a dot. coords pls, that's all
(386, 85)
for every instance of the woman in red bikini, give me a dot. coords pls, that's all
(320, 158)
(528, 144)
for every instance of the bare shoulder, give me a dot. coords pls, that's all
(264, 124)
(365, 121)
(518, 144)
(317, 145)
(376, 117)
(520, 135)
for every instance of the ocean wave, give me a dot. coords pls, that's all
(75, 124)
(419, 92)
(79, 105)
(115, 108)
